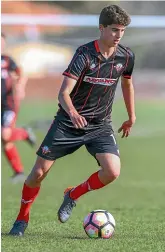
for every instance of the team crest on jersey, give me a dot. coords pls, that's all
(118, 67)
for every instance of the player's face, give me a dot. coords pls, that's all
(3, 44)
(112, 34)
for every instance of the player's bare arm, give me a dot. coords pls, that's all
(128, 94)
(66, 102)
(20, 82)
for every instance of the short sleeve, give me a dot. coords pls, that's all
(77, 65)
(130, 66)
(13, 66)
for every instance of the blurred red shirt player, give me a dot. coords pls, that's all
(12, 92)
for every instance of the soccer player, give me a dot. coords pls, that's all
(84, 116)
(12, 92)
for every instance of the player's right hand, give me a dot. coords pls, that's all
(78, 121)
(126, 127)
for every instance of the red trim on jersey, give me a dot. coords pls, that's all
(110, 73)
(99, 97)
(107, 86)
(109, 102)
(97, 46)
(79, 79)
(86, 99)
(127, 76)
(98, 70)
(79, 83)
(88, 61)
(73, 60)
(90, 90)
(127, 60)
(96, 108)
(70, 75)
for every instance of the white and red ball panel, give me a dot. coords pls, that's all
(107, 231)
(99, 218)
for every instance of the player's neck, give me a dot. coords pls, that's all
(105, 50)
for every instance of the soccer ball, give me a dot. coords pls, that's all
(99, 224)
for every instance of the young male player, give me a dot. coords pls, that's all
(12, 92)
(84, 116)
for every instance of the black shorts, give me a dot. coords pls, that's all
(62, 140)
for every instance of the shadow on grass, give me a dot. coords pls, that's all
(46, 235)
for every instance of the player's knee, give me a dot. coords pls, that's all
(6, 134)
(39, 172)
(7, 145)
(113, 174)
(112, 171)
(35, 177)
(110, 164)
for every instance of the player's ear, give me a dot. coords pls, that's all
(101, 27)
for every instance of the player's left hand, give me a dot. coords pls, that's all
(126, 127)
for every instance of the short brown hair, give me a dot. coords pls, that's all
(113, 14)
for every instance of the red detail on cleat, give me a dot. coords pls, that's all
(68, 189)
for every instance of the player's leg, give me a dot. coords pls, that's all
(18, 134)
(23, 134)
(9, 117)
(31, 187)
(9, 134)
(106, 152)
(13, 157)
(30, 191)
(110, 170)
(10, 150)
(104, 148)
(55, 145)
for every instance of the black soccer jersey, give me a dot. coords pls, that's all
(7, 66)
(97, 79)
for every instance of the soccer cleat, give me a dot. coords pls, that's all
(18, 177)
(18, 228)
(66, 208)
(31, 137)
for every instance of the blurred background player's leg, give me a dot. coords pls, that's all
(25, 133)
(12, 92)
(10, 134)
